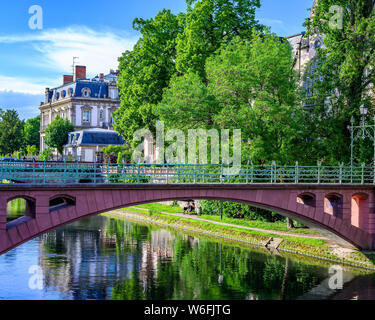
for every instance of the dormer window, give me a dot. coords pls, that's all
(86, 92)
(113, 94)
(317, 44)
(63, 93)
(57, 96)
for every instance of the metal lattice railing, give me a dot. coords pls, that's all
(80, 172)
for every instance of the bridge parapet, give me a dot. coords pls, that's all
(84, 172)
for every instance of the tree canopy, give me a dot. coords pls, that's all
(209, 25)
(250, 86)
(343, 72)
(145, 71)
(11, 132)
(57, 133)
(32, 132)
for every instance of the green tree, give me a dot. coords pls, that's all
(46, 155)
(344, 71)
(209, 25)
(117, 153)
(32, 150)
(57, 133)
(11, 132)
(32, 132)
(145, 71)
(188, 104)
(250, 86)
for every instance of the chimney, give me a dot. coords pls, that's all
(67, 79)
(46, 93)
(101, 76)
(80, 72)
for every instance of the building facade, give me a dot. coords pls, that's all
(87, 103)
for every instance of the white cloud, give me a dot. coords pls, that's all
(271, 21)
(20, 85)
(98, 50)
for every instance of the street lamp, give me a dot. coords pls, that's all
(361, 132)
(363, 109)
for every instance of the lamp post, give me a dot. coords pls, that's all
(363, 131)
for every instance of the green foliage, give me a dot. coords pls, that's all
(57, 133)
(145, 71)
(238, 210)
(32, 150)
(32, 132)
(46, 155)
(188, 104)
(11, 132)
(119, 154)
(250, 86)
(209, 25)
(344, 75)
(18, 154)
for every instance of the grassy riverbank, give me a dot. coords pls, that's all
(298, 243)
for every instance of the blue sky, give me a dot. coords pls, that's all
(95, 31)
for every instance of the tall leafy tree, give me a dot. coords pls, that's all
(146, 70)
(344, 73)
(188, 104)
(11, 132)
(57, 133)
(250, 86)
(32, 132)
(210, 24)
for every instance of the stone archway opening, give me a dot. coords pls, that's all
(20, 207)
(307, 199)
(359, 207)
(61, 202)
(333, 205)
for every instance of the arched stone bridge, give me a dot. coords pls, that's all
(343, 212)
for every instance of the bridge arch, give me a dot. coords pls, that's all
(359, 206)
(91, 200)
(61, 201)
(333, 205)
(307, 199)
(30, 205)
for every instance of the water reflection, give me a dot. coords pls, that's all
(102, 258)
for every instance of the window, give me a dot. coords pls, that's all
(113, 93)
(86, 116)
(309, 82)
(317, 44)
(86, 92)
(101, 115)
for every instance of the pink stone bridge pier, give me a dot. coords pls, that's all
(345, 213)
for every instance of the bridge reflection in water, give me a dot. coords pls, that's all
(102, 258)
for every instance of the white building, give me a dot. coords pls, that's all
(87, 103)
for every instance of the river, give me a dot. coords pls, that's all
(104, 258)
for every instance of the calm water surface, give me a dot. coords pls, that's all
(103, 258)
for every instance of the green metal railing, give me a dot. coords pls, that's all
(80, 172)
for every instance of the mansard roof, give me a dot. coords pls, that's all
(94, 136)
(95, 87)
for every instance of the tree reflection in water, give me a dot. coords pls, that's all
(103, 258)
